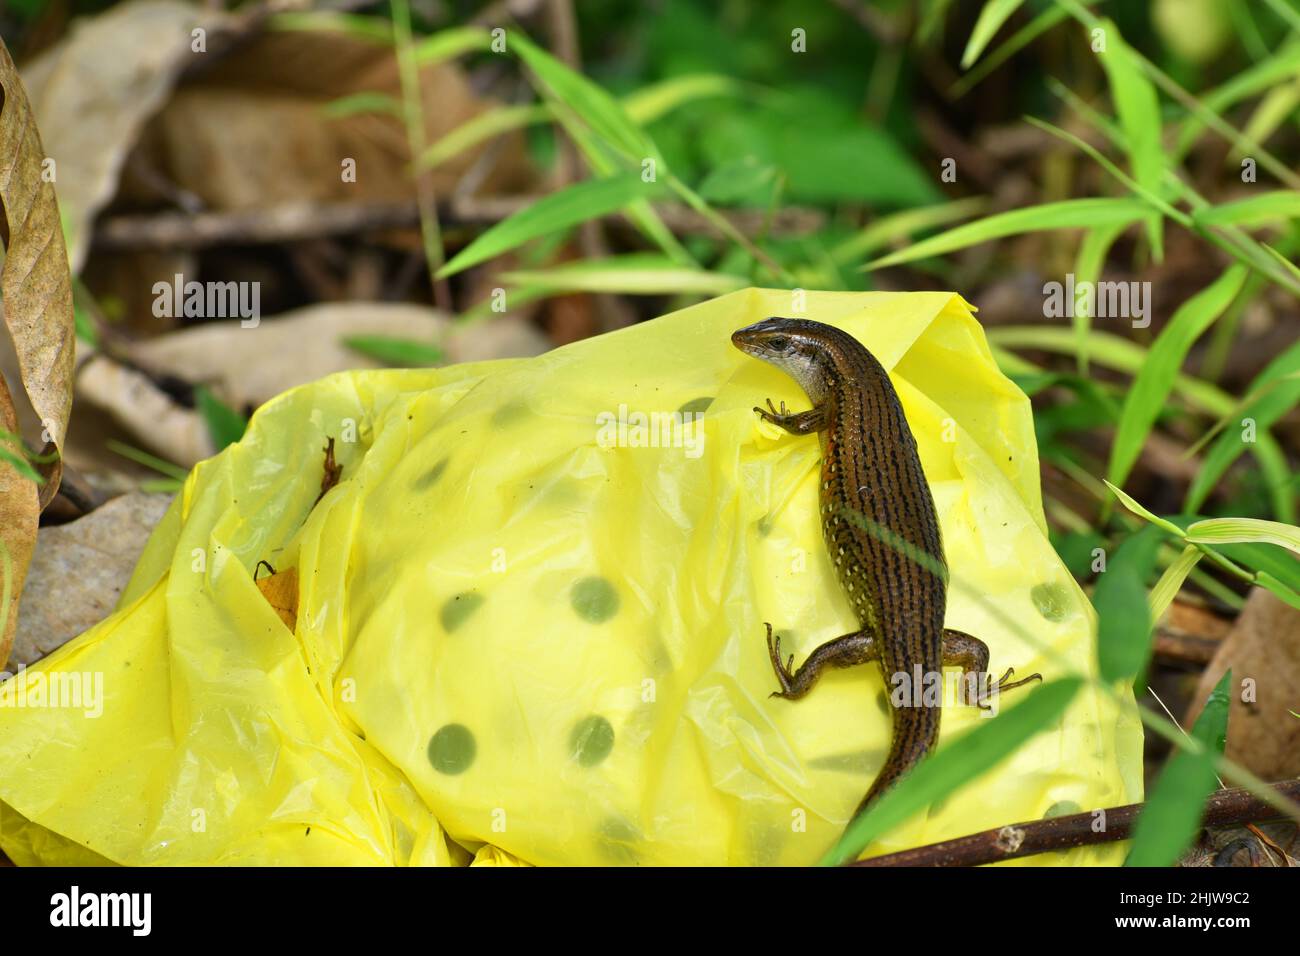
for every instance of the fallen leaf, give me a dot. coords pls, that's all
(281, 592)
(79, 570)
(1262, 648)
(94, 91)
(35, 282)
(19, 512)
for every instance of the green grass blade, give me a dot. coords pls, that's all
(578, 203)
(1113, 352)
(225, 425)
(1272, 394)
(991, 18)
(1088, 268)
(1066, 214)
(360, 26)
(358, 104)
(888, 229)
(451, 43)
(1247, 530)
(1138, 108)
(604, 114)
(160, 465)
(1272, 207)
(657, 100)
(1123, 613)
(1171, 582)
(1008, 48)
(1156, 378)
(480, 129)
(972, 755)
(1173, 811)
(632, 274)
(393, 350)
(1133, 505)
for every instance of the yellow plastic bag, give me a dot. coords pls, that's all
(530, 628)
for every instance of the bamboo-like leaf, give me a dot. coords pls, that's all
(35, 282)
(1273, 110)
(1282, 590)
(359, 104)
(1133, 505)
(479, 129)
(970, 756)
(604, 114)
(357, 25)
(1155, 379)
(392, 350)
(1138, 108)
(1173, 810)
(1124, 618)
(1270, 395)
(225, 425)
(900, 225)
(991, 18)
(1088, 268)
(1114, 352)
(1171, 582)
(633, 274)
(449, 44)
(1067, 214)
(1282, 65)
(1234, 530)
(1276, 206)
(568, 207)
(657, 100)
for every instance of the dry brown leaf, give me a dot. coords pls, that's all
(281, 592)
(253, 130)
(35, 282)
(1263, 648)
(94, 91)
(19, 512)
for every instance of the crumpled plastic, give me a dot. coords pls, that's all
(530, 622)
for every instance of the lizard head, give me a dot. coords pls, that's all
(798, 347)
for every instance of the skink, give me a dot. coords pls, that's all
(879, 523)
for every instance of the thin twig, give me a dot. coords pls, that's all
(298, 221)
(1224, 808)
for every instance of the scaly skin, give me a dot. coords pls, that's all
(879, 523)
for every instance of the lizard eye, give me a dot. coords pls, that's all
(778, 343)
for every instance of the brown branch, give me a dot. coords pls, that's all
(299, 221)
(1225, 807)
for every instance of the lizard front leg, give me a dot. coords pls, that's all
(972, 656)
(856, 648)
(796, 423)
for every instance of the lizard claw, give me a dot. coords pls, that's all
(783, 671)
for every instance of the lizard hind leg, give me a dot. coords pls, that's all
(972, 656)
(847, 651)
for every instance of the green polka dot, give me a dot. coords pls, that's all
(452, 749)
(1062, 808)
(592, 740)
(431, 476)
(594, 599)
(1051, 600)
(509, 413)
(883, 702)
(458, 609)
(765, 524)
(695, 405)
(616, 839)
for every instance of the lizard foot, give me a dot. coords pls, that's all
(784, 672)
